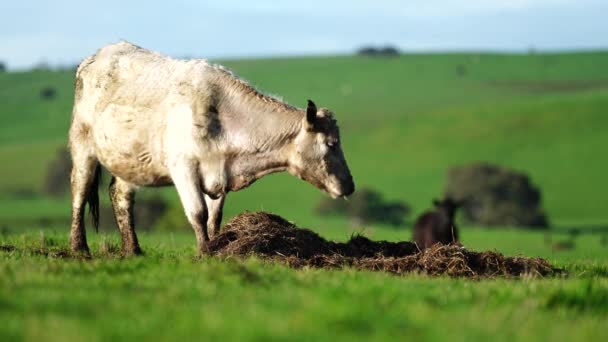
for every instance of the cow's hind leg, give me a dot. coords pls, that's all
(215, 208)
(122, 195)
(83, 182)
(188, 185)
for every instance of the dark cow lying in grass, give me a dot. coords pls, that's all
(437, 226)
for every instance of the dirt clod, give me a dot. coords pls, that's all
(269, 236)
(7, 248)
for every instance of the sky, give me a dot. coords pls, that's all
(62, 32)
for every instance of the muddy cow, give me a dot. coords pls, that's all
(151, 120)
(437, 226)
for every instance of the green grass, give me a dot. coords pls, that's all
(169, 295)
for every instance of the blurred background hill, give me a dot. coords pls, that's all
(405, 121)
(418, 88)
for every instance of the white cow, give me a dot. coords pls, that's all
(151, 120)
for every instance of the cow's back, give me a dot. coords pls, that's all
(129, 98)
(124, 74)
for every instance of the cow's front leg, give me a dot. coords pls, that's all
(188, 185)
(215, 208)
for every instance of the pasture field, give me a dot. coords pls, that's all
(404, 122)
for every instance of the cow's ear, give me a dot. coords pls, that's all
(311, 113)
(436, 202)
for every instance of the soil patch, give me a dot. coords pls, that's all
(270, 236)
(7, 248)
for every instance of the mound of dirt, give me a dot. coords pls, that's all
(269, 236)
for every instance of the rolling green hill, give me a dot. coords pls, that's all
(404, 121)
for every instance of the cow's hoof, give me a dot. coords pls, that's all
(80, 253)
(132, 252)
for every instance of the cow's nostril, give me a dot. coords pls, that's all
(349, 189)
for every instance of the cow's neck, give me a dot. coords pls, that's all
(259, 132)
(247, 165)
(245, 169)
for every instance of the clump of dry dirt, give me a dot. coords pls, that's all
(7, 248)
(270, 236)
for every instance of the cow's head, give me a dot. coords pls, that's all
(317, 157)
(448, 206)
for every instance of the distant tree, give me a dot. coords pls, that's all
(146, 213)
(387, 51)
(367, 51)
(496, 196)
(21, 193)
(2, 66)
(461, 70)
(173, 219)
(57, 179)
(366, 206)
(48, 93)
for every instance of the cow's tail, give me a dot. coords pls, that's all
(93, 198)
